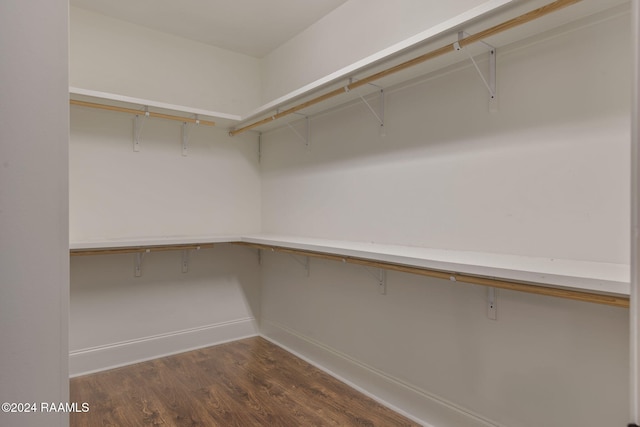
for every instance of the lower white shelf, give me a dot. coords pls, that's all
(573, 274)
(605, 283)
(151, 241)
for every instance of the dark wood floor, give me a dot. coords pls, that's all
(245, 383)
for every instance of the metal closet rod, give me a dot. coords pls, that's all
(616, 301)
(511, 23)
(141, 113)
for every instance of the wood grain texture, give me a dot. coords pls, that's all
(141, 113)
(250, 382)
(139, 249)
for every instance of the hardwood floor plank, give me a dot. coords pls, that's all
(246, 383)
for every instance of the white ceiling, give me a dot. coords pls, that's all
(251, 27)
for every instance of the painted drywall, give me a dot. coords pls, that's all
(34, 265)
(116, 193)
(113, 56)
(117, 318)
(351, 32)
(547, 175)
(543, 362)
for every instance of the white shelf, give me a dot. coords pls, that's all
(391, 51)
(152, 241)
(595, 277)
(223, 120)
(489, 13)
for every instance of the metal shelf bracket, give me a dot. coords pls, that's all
(306, 137)
(306, 263)
(138, 122)
(137, 271)
(379, 115)
(492, 303)
(185, 136)
(380, 275)
(185, 259)
(489, 83)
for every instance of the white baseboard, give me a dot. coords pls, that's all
(95, 359)
(418, 405)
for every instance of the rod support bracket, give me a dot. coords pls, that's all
(306, 263)
(380, 275)
(138, 122)
(492, 303)
(139, 256)
(490, 82)
(186, 255)
(307, 135)
(185, 261)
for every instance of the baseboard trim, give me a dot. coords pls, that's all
(114, 355)
(406, 399)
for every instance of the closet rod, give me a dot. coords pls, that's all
(141, 113)
(138, 249)
(615, 301)
(511, 23)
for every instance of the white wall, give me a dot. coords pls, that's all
(547, 175)
(114, 56)
(544, 362)
(118, 319)
(34, 265)
(116, 193)
(351, 32)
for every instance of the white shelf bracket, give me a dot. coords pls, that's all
(185, 136)
(306, 263)
(490, 84)
(493, 100)
(380, 275)
(378, 115)
(185, 261)
(306, 137)
(492, 303)
(186, 255)
(137, 269)
(138, 122)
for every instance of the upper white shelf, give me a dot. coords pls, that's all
(473, 21)
(489, 14)
(223, 120)
(152, 241)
